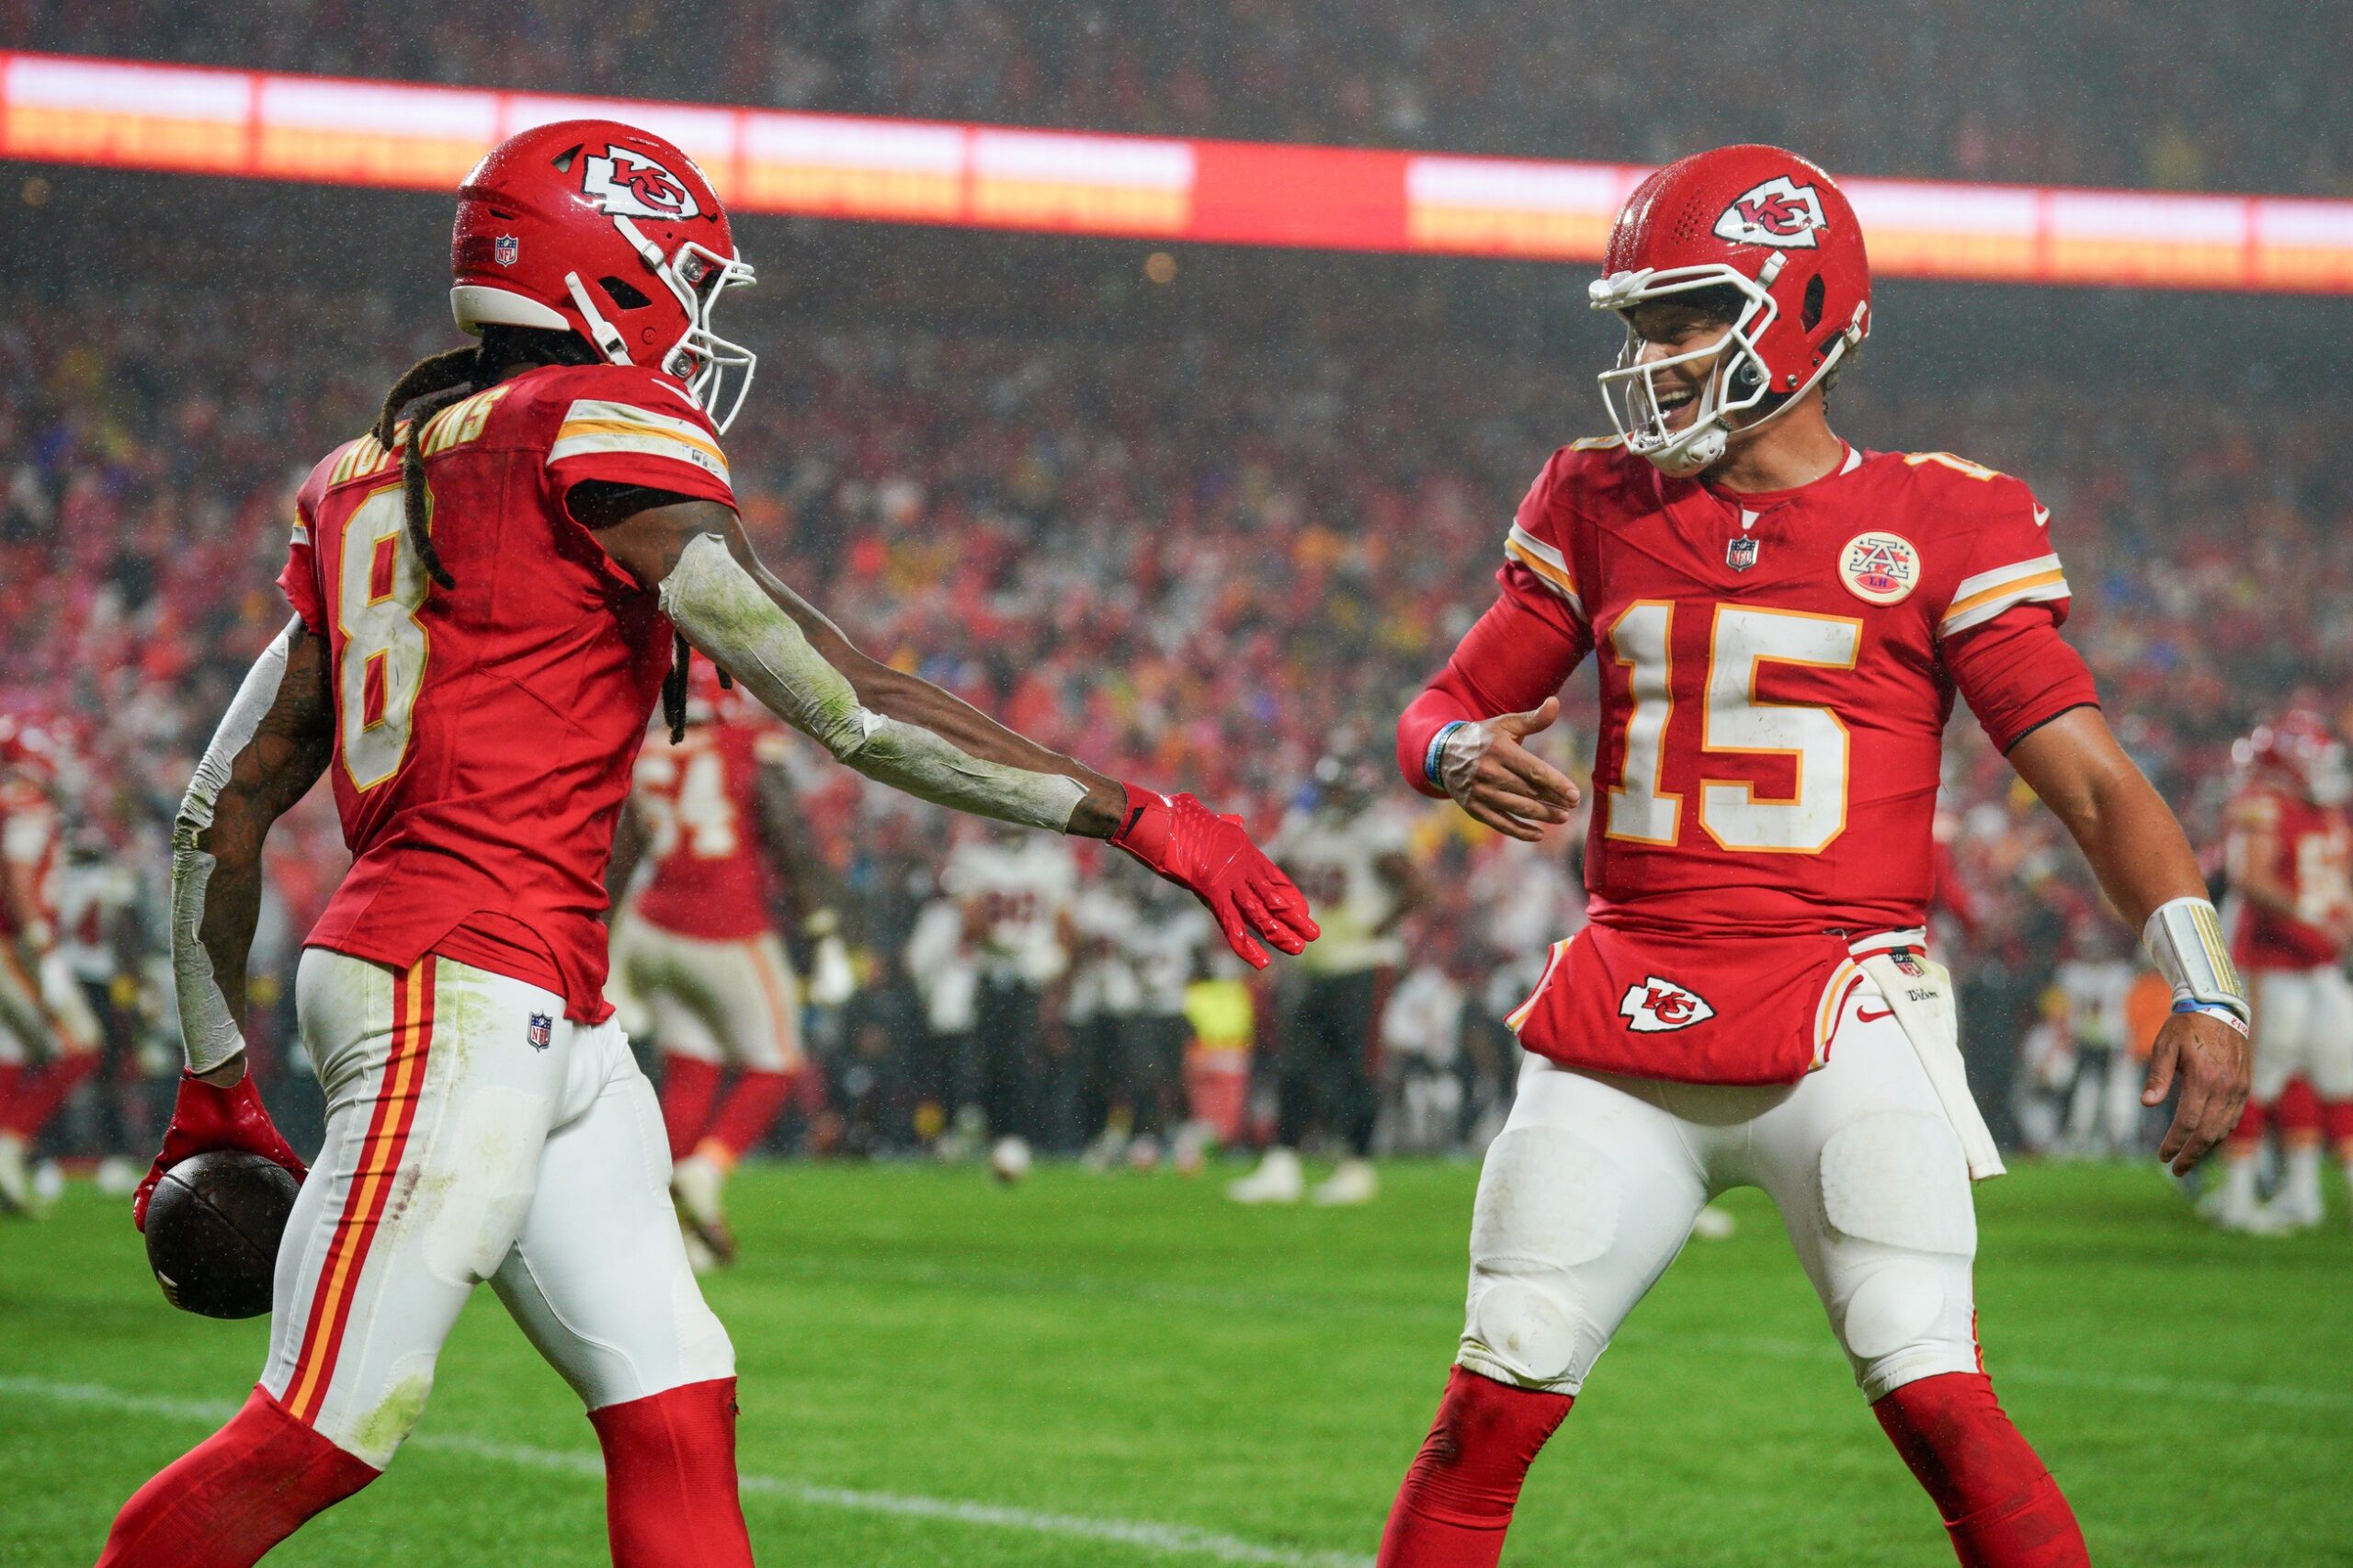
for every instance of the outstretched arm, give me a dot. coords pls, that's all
(902, 731)
(2144, 865)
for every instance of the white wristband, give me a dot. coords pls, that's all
(2185, 940)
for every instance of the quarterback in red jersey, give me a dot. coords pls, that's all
(491, 589)
(715, 815)
(2289, 858)
(1779, 623)
(42, 1010)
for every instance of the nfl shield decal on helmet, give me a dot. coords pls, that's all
(540, 1032)
(1879, 568)
(1740, 555)
(1655, 1005)
(506, 250)
(1779, 213)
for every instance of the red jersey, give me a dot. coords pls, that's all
(484, 733)
(699, 801)
(1776, 673)
(2312, 852)
(28, 832)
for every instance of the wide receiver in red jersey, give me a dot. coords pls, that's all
(698, 946)
(1779, 623)
(2289, 857)
(488, 590)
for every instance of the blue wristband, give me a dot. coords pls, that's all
(2230, 1015)
(1438, 746)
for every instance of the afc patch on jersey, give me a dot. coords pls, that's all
(1879, 568)
(1655, 1007)
(1780, 212)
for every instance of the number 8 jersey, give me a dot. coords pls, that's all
(485, 733)
(1775, 674)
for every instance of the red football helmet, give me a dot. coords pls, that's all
(708, 702)
(595, 227)
(2299, 751)
(1773, 229)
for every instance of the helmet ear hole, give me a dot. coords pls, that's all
(622, 294)
(1745, 377)
(1809, 313)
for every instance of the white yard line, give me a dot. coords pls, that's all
(1171, 1541)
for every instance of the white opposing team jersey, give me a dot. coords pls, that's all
(1017, 892)
(1103, 982)
(1164, 948)
(91, 898)
(940, 963)
(2094, 994)
(1424, 1019)
(1336, 860)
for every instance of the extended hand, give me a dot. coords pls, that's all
(1501, 783)
(1213, 858)
(2210, 1055)
(205, 1117)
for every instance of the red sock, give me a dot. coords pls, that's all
(689, 1085)
(38, 1095)
(235, 1495)
(670, 1499)
(747, 1112)
(2298, 1109)
(12, 1082)
(1458, 1494)
(2002, 1507)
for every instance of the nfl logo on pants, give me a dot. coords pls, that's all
(541, 1032)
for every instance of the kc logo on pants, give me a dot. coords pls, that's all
(1655, 1007)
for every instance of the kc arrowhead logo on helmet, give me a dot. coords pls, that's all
(635, 186)
(1778, 212)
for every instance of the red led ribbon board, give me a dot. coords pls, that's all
(261, 125)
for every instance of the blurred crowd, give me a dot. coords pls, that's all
(1210, 566)
(2170, 93)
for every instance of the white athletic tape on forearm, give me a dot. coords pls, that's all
(208, 1031)
(2184, 941)
(724, 611)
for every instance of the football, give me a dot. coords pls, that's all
(213, 1232)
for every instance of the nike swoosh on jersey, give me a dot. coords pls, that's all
(1865, 1016)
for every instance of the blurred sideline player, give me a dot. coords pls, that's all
(490, 595)
(697, 945)
(1779, 623)
(2290, 861)
(44, 1013)
(1347, 851)
(1015, 892)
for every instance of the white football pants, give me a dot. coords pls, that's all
(733, 1003)
(475, 1134)
(1590, 1190)
(2304, 1029)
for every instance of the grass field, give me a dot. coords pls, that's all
(1089, 1370)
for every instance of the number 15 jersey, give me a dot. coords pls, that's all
(486, 732)
(1777, 671)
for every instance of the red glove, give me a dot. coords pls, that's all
(1209, 856)
(205, 1118)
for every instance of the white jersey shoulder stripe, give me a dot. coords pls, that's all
(1546, 562)
(593, 425)
(1986, 607)
(1968, 588)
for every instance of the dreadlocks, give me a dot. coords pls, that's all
(440, 381)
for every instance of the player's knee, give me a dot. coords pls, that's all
(1898, 1182)
(1548, 1202)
